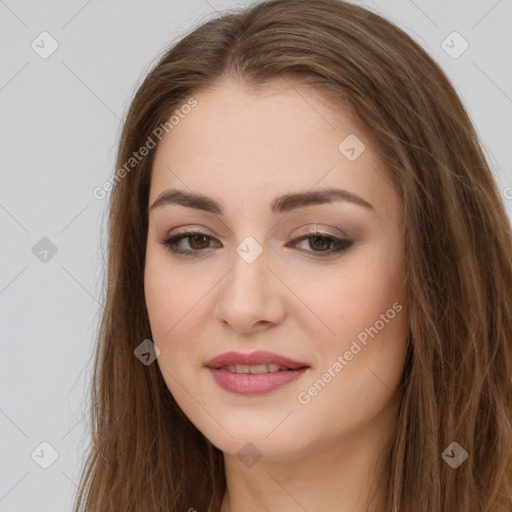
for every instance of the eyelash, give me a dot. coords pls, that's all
(170, 243)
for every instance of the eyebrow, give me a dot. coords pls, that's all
(281, 204)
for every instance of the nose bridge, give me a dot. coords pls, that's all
(249, 293)
(249, 273)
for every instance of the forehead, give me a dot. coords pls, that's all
(247, 146)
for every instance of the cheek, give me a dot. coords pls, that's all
(373, 320)
(166, 297)
(158, 303)
(361, 366)
(176, 302)
(170, 328)
(367, 286)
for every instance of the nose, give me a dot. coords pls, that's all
(250, 297)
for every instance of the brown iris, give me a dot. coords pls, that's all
(320, 246)
(195, 238)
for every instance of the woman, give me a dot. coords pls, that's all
(309, 290)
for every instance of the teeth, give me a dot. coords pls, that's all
(254, 369)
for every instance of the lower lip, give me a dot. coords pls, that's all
(251, 384)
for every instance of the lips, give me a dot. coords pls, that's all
(260, 357)
(256, 373)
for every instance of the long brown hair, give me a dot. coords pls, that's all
(145, 455)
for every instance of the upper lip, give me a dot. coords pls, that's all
(258, 357)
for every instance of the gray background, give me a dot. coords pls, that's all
(60, 121)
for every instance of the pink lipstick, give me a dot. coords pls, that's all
(255, 373)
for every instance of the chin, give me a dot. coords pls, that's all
(256, 440)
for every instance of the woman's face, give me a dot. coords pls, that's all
(252, 280)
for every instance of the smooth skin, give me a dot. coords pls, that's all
(243, 149)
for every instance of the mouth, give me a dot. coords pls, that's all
(260, 361)
(254, 374)
(257, 369)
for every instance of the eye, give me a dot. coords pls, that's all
(198, 242)
(320, 242)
